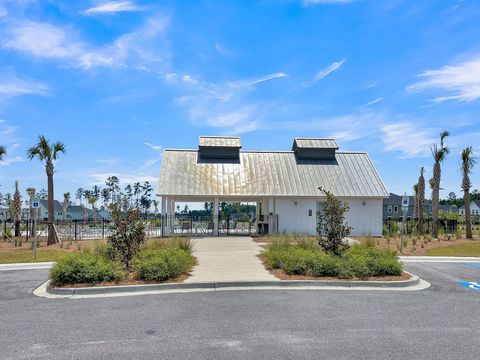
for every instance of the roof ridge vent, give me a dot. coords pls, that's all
(219, 148)
(314, 148)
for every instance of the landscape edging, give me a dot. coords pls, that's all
(99, 290)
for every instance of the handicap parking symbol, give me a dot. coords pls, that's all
(470, 284)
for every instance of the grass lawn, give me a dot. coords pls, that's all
(465, 249)
(24, 255)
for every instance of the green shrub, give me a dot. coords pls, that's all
(162, 263)
(359, 261)
(85, 267)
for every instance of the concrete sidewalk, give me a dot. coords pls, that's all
(228, 259)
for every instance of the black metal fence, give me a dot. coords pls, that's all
(155, 226)
(446, 226)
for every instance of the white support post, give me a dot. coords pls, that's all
(215, 217)
(164, 215)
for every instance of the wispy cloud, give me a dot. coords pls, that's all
(323, 2)
(324, 73)
(224, 105)
(409, 139)
(153, 147)
(461, 81)
(11, 85)
(113, 7)
(373, 102)
(47, 41)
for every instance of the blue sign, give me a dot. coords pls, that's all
(470, 284)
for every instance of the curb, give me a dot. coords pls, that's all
(26, 266)
(218, 286)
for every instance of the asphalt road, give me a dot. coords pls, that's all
(441, 322)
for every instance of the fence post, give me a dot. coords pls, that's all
(75, 228)
(5, 230)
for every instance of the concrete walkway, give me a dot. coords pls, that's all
(228, 259)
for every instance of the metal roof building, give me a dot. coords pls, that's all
(220, 171)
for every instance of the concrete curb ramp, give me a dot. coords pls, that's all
(45, 290)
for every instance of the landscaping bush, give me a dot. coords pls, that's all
(85, 267)
(162, 263)
(358, 261)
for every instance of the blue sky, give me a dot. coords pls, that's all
(119, 81)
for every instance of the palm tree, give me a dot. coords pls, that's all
(48, 152)
(439, 154)
(66, 204)
(17, 209)
(420, 200)
(467, 164)
(3, 152)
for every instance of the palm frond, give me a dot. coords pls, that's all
(443, 135)
(58, 147)
(468, 160)
(3, 152)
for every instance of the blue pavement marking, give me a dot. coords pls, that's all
(470, 284)
(472, 265)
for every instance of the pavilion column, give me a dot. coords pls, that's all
(172, 214)
(215, 217)
(164, 214)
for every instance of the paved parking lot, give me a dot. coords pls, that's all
(438, 323)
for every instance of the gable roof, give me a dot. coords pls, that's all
(57, 206)
(269, 173)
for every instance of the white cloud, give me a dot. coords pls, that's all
(11, 85)
(154, 147)
(3, 11)
(323, 2)
(460, 81)
(373, 102)
(259, 80)
(408, 138)
(223, 105)
(325, 72)
(47, 41)
(113, 7)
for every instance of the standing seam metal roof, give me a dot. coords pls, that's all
(219, 141)
(315, 143)
(261, 173)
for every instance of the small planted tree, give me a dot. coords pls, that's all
(128, 234)
(467, 164)
(332, 228)
(420, 200)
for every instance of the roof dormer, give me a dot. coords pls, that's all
(314, 148)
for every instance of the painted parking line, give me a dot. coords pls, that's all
(470, 284)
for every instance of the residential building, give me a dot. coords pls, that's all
(474, 208)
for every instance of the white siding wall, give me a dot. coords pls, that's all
(365, 219)
(294, 218)
(365, 216)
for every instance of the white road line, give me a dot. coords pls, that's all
(26, 266)
(439, 259)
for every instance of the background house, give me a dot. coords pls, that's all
(392, 207)
(474, 208)
(57, 207)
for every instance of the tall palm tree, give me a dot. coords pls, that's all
(439, 154)
(17, 209)
(3, 152)
(48, 152)
(467, 164)
(421, 200)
